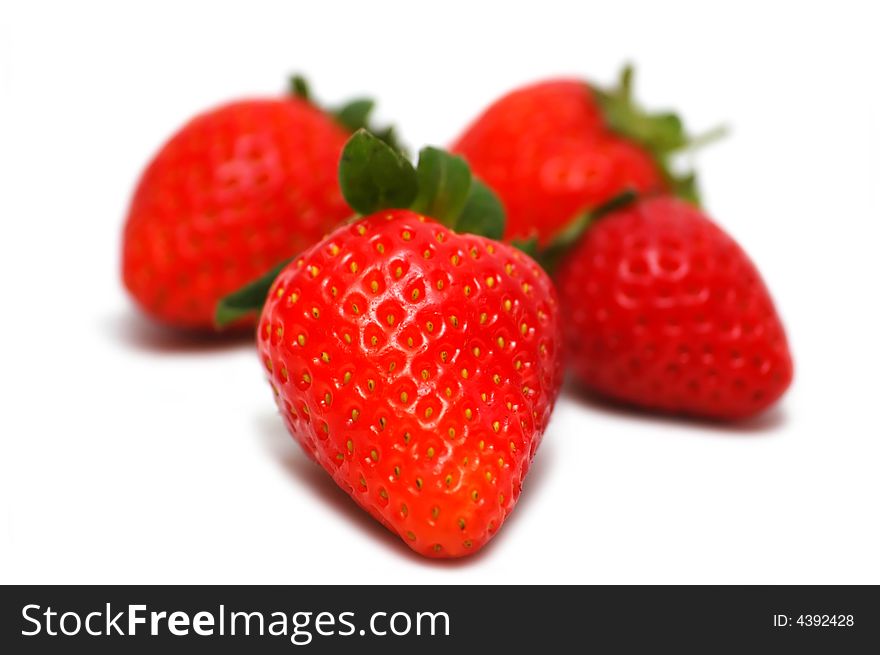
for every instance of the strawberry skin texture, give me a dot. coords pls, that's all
(665, 311)
(237, 190)
(419, 368)
(547, 153)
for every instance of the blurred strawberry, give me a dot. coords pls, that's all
(555, 149)
(665, 311)
(238, 189)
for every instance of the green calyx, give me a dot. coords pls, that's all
(550, 255)
(248, 299)
(662, 134)
(353, 115)
(374, 176)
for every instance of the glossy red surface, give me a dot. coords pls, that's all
(419, 368)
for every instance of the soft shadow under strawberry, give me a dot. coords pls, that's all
(296, 463)
(765, 424)
(140, 333)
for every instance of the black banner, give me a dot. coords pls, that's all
(392, 619)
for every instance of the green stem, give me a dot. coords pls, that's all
(706, 138)
(300, 88)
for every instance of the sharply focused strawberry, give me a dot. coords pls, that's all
(418, 364)
(665, 311)
(236, 190)
(557, 148)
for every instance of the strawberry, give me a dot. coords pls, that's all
(665, 311)
(235, 191)
(557, 148)
(415, 362)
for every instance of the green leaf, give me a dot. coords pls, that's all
(707, 138)
(247, 300)
(444, 184)
(662, 134)
(483, 213)
(300, 88)
(528, 246)
(621, 200)
(374, 176)
(686, 187)
(355, 114)
(549, 256)
(571, 233)
(389, 136)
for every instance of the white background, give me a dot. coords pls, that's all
(129, 456)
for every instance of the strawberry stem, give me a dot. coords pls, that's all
(353, 115)
(707, 138)
(662, 134)
(300, 88)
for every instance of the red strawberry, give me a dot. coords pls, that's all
(665, 311)
(417, 365)
(235, 191)
(557, 148)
